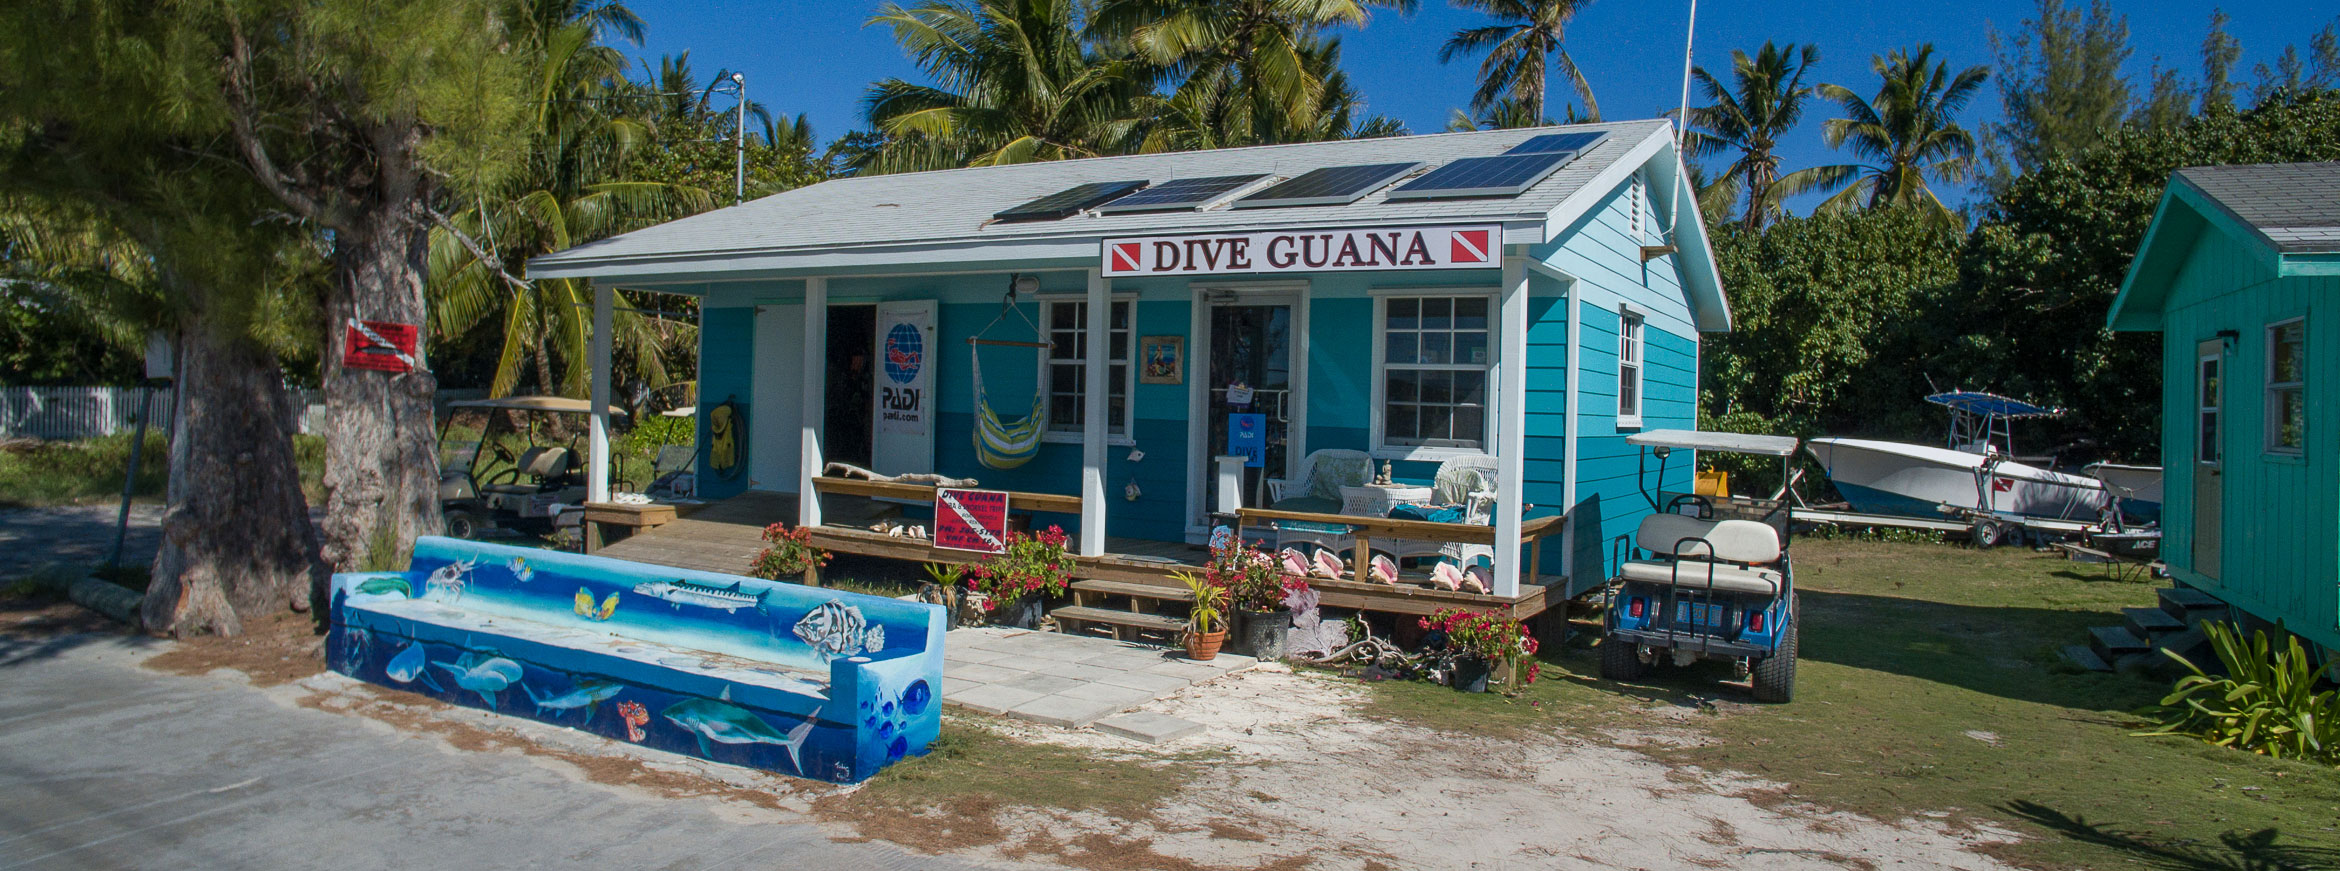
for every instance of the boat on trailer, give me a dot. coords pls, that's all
(1976, 472)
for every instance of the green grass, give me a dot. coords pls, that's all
(971, 762)
(1930, 681)
(90, 471)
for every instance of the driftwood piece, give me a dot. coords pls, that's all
(848, 470)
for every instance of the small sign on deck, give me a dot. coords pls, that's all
(973, 520)
(383, 346)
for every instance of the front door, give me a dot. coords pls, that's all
(1248, 389)
(2209, 455)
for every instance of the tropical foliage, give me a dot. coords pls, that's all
(2265, 699)
(1907, 133)
(1528, 37)
(1747, 119)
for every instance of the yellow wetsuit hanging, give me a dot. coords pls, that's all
(723, 439)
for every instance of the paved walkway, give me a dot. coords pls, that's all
(109, 765)
(78, 536)
(1065, 680)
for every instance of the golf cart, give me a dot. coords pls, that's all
(512, 477)
(1698, 583)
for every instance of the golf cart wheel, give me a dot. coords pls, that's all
(1774, 676)
(1621, 661)
(462, 524)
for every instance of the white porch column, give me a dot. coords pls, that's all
(816, 399)
(597, 443)
(1511, 427)
(1093, 420)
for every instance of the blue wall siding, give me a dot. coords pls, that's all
(726, 371)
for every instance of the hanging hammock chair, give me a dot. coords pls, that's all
(1001, 443)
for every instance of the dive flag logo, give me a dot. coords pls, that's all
(1126, 256)
(1469, 246)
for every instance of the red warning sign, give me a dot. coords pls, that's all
(973, 520)
(383, 346)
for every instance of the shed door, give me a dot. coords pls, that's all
(776, 410)
(2209, 455)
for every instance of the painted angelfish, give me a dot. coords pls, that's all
(521, 570)
(586, 693)
(725, 723)
(586, 609)
(411, 664)
(485, 675)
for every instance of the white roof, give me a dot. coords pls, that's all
(1727, 442)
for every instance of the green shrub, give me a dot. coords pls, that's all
(2267, 701)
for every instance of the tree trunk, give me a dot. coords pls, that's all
(236, 542)
(381, 457)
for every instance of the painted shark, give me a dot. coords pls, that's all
(410, 665)
(726, 723)
(679, 593)
(485, 675)
(587, 693)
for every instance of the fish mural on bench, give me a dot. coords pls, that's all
(679, 593)
(837, 629)
(587, 693)
(485, 675)
(725, 723)
(410, 665)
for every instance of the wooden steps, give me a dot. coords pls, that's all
(1138, 603)
(1120, 619)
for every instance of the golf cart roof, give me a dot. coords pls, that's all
(1727, 442)
(549, 404)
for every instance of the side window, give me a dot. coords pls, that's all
(2287, 387)
(1629, 365)
(1067, 370)
(2206, 411)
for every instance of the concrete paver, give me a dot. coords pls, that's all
(1066, 680)
(1149, 727)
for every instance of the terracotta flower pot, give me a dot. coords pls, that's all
(1204, 646)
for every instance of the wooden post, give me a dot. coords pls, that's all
(1093, 422)
(1511, 426)
(1364, 556)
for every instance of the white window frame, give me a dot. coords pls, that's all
(1632, 364)
(1382, 448)
(1117, 432)
(2276, 389)
(2210, 409)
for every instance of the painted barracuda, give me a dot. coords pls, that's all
(679, 593)
(725, 723)
(587, 693)
(410, 665)
(485, 675)
(837, 629)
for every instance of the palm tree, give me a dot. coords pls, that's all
(1213, 112)
(1013, 83)
(1260, 58)
(1764, 101)
(572, 190)
(1528, 35)
(1908, 132)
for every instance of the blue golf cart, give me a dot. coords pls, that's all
(1706, 578)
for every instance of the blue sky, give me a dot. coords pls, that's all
(816, 58)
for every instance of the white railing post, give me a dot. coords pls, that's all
(1511, 427)
(597, 445)
(816, 399)
(1093, 422)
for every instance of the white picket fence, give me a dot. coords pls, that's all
(80, 412)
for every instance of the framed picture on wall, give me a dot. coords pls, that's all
(1162, 360)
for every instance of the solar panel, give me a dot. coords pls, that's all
(1180, 193)
(1070, 201)
(1503, 175)
(1556, 142)
(1328, 186)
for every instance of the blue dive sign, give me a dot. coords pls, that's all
(1247, 436)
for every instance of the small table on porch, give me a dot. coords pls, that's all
(610, 522)
(1375, 500)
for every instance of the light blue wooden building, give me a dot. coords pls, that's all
(2240, 274)
(1518, 299)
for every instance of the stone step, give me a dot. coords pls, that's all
(2113, 642)
(2152, 623)
(2080, 655)
(1083, 614)
(1133, 589)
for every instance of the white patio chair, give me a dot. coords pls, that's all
(1317, 489)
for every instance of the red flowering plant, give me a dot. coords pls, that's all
(1033, 564)
(1487, 635)
(787, 552)
(1254, 580)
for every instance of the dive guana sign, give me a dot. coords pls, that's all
(1468, 246)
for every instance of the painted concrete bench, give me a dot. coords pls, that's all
(799, 680)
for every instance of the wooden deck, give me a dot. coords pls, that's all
(724, 536)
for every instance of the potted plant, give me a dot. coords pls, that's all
(1484, 645)
(1013, 584)
(942, 588)
(788, 552)
(1256, 585)
(1206, 629)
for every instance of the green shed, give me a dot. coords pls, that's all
(2240, 273)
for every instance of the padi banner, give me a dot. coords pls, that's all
(902, 433)
(1354, 249)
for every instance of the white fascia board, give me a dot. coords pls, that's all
(1656, 153)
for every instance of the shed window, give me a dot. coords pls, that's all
(1435, 362)
(1629, 369)
(2206, 411)
(1067, 367)
(2287, 387)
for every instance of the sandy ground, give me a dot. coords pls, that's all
(1312, 783)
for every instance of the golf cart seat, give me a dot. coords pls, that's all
(1735, 556)
(539, 465)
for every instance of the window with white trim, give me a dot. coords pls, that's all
(2207, 409)
(1629, 365)
(1436, 363)
(1066, 370)
(2287, 387)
